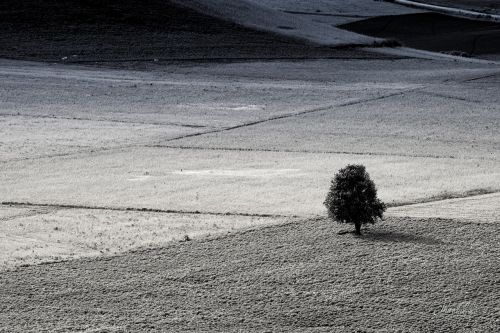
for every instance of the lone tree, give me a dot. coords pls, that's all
(353, 198)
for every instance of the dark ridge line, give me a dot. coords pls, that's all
(471, 14)
(230, 59)
(290, 115)
(296, 151)
(217, 130)
(324, 14)
(373, 99)
(480, 78)
(104, 149)
(74, 153)
(444, 197)
(100, 120)
(448, 97)
(433, 199)
(28, 214)
(145, 210)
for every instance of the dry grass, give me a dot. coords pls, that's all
(231, 181)
(481, 208)
(412, 123)
(35, 235)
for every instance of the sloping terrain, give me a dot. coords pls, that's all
(32, 235)
(486, 6)
(404, 275)
(250, 14)
(90, 30)
(192, 143)
(434, 32)
(338, 12)
(139, 175)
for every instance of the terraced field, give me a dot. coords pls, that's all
(171, 196)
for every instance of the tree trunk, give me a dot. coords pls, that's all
(358, 228)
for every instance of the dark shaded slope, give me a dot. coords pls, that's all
(92, 30)
(434, 32)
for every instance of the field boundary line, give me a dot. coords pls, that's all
(140, 209)
(324, 14)
(439, 95)
(445, 197)
(54, 207)
(319, 152)
(480, 78)
(211, 131)
(29, 213)
(465, 13)
(5, 115)
(294, 114)
(228, 59)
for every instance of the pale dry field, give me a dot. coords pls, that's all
(260, 138)
(170, 196)
(480, 209)
(231, 181)
(34, 235)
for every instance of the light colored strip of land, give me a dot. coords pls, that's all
(481, 208)
(449, 10)
(60, 234)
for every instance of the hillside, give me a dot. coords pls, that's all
(111, 31)
(404, 275)
(486, 6)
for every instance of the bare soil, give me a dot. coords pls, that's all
(404, 275)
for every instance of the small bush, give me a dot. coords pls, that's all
(352, 198)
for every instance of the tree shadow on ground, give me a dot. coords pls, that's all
(398, 237)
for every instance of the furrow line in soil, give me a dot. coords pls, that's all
(227, 59)
(264, 150)
(101, 120)
(293, 114)
(88, 151)
(137, 209)
(46, 210)
(445, 197)
(325, 14)
(429, 93)
(480, 77)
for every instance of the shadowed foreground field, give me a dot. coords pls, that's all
(404, 275)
